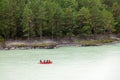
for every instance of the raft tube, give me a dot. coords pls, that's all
(45, 63)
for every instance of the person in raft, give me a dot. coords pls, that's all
(49, 61)
(45, 62)
(41, 61)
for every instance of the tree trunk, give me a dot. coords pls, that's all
(29, 32)
(52, 30)
(41, 25)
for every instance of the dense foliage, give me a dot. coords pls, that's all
(58, 18)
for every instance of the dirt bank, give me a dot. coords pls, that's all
(51, 44)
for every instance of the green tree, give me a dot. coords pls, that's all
(83, 21)
(19, 13)
(69, 21)
(58, 18)
(58, 21)
(108, 21)
(116, 14)
(69, 18)
(27, 22)
(96, 17)
(50, 8)
(96, 21)
(38, 10)
(3, 26)
(116, 10)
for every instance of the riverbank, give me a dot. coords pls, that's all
(51, 44)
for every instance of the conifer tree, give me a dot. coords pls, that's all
(27, 22)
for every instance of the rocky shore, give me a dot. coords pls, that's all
(51, 44)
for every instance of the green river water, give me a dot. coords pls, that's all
(69, 63)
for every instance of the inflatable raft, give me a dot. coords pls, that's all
(46, 62)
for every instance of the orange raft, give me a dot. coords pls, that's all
(46, 62)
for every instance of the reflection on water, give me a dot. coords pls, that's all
(69, 63)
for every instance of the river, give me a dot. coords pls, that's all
(69, 63)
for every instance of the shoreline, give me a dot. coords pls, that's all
(50, 44)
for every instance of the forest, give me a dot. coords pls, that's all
(58, 18)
